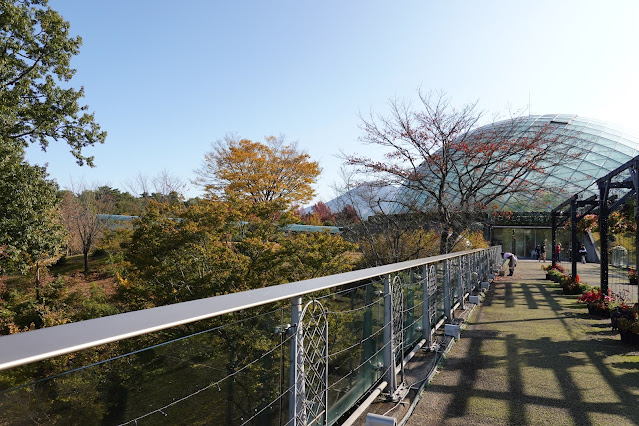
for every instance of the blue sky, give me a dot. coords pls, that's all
(167, 78)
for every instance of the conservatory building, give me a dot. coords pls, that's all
(601, 146)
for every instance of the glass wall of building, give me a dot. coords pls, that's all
(522, 240)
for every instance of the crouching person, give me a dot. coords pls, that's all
(511, 259)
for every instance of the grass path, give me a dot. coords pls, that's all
(532, 356)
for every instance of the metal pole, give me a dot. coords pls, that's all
(294, 405)
(447, 302)
(471, 285)
(553, 217)
(367, 329)
(389, 358)
(426, 325)
(603, 235)
(635, 184)
(573, 233)
(460, 282)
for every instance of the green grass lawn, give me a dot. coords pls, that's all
(531, 355)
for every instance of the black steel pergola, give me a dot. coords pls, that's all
(559, 217)
(609, 204)
(602, 205)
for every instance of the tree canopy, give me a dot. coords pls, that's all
(258, 172)
(448, 166)
(36, 104)
(30, 226)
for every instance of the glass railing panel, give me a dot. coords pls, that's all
(413, 303)
(356, 340)
(228, 370)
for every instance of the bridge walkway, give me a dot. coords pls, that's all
(530, 355)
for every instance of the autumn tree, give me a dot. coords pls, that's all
(236, 238)
(445, 164)
(213, 248)
(320, 214)
(83, 216)
(36, 103)
(258, 171)
(347, 216)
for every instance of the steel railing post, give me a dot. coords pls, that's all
(426, 325)
(447, 293)
(389, 358)
(296, 382)
(471, 286)
(460, 282)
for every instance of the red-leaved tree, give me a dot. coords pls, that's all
(448, 166)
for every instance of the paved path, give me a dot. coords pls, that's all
(530, 355)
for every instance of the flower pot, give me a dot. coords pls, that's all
(555, 279)
(629, 338)
(599, 312)
(548, 277)
(571, 290)
(633, 281)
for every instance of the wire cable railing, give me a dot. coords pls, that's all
(258, 356)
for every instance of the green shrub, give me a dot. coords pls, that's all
(98, 252)
(61, 261)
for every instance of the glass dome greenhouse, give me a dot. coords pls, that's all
(601, 147)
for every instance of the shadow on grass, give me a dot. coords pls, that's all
(530, 300)
(582, 362)
(627, 365)
(508, 295)
(470, 366)
(577, 315)
(602, 324)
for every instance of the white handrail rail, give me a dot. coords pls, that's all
(36, 345)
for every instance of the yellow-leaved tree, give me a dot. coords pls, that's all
(270, 171)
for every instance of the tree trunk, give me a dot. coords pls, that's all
(85, 254)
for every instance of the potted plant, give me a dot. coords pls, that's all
(546, 269)
(632, 276)
(629, 328)
(571, 285)
(549, 270)
(618, 310)
(555, 276)
(598, 304)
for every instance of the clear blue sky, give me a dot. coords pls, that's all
(167, 78)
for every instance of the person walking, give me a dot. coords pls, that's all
(538, 252)
(558, 252)
(543, 252)
(583, 252)
(511, 259)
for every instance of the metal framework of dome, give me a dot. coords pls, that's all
(605, 147)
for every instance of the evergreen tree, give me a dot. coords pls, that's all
(36, 103)
(30, 226)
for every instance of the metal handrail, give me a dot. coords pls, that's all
(36, 345)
